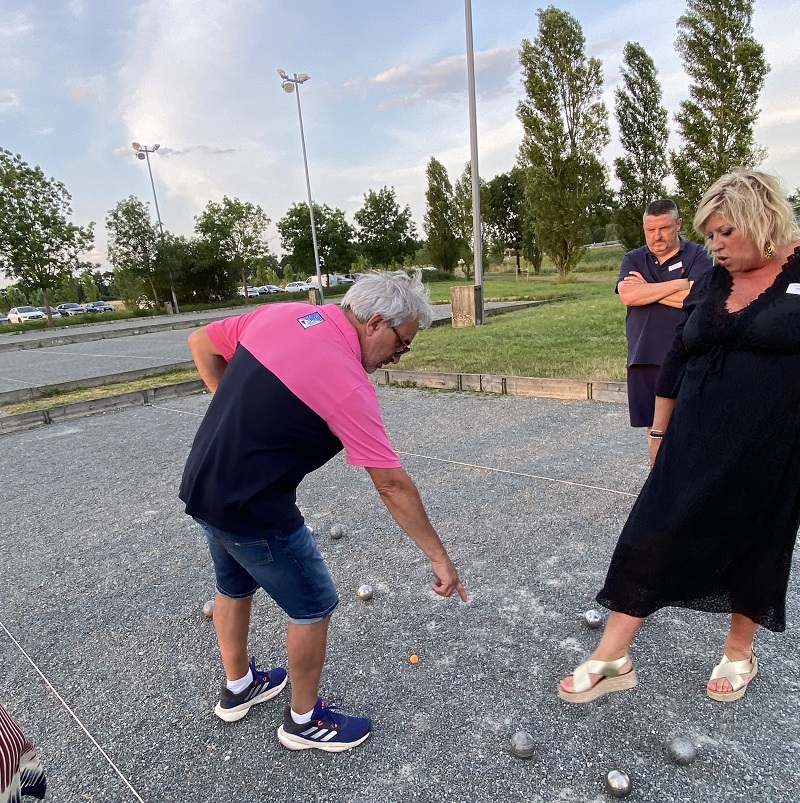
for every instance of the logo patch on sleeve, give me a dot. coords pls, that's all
(312, 319)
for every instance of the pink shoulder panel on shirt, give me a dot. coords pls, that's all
(319, 359)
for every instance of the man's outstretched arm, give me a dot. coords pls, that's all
(401, 497)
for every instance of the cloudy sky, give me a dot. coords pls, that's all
(82, 79)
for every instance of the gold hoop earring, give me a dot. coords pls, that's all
(769, 250)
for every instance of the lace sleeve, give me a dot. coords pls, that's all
(674, 365)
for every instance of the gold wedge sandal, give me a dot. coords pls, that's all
(732, 671)
(584, 692)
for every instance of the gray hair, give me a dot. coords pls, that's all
(395, 295)
(664, 206)
(753, 202)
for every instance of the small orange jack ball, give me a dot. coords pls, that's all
(414, 659)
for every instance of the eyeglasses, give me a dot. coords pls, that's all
(406, 345)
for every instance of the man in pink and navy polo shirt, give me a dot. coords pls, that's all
(290, 391)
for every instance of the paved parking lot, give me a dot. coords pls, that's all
(103, 580)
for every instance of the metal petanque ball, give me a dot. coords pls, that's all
(618, 784)
(593, 619)
(522, 744)
(365, 592)
(337, 532)
(682, 750)
(208, 608)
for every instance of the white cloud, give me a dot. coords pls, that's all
(87, 89)
(75, 8)
(16, 26)
(176, 89)
(8, 100)
(444, 81)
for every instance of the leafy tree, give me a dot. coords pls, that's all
(440, 218)
(504, 212)
(727, 67)
(335, 240)
(67, 289)
(38, 243)
(462, 195)
(794, 200)
(565, 127)
(267, 270)
(237, 232)
(386, 233)
(133, 250)
(199, 274)
(643, 131)
(90, 291)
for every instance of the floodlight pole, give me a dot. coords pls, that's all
(477, 248)
(293, 85)
(143, 149)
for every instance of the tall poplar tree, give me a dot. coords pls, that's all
(565, 127)
(728, 68)
(440, 223)
(462, 196)
(643, 132)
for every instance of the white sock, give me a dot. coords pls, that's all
(240, 685)
(301, 719)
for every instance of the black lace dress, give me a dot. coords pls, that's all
(715, 524)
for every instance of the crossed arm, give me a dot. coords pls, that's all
(636, 291)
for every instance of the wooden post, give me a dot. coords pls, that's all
(464, 305)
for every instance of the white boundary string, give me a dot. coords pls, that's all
(458, 463)
(517, 473)
(72, 713)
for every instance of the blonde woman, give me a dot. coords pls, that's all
(715, 524)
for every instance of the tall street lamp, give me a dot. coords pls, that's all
(289, 85)
(477, 247)
(143, 152)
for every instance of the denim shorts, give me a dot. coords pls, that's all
(289, 567)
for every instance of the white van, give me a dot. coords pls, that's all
(329, 280)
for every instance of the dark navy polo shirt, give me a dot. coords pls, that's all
(650, 328)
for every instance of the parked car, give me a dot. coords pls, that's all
(265, 289)
(71, 308)
(252, 292)
(23, 314)
(3, 318)
(99, 306)
(297, 287)
(54, 313)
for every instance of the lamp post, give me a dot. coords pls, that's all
(143, 153)
(477, 247)
(290, 85)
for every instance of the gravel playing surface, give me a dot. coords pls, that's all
(104, 579)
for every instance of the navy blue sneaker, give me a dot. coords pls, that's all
(265, 686)
(328, 730)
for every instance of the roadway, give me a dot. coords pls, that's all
(43, 357)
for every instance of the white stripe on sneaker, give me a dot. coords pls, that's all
(319, 734)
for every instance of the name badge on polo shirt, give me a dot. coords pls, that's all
(794, 288)
(312, 319)
(676, 266)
